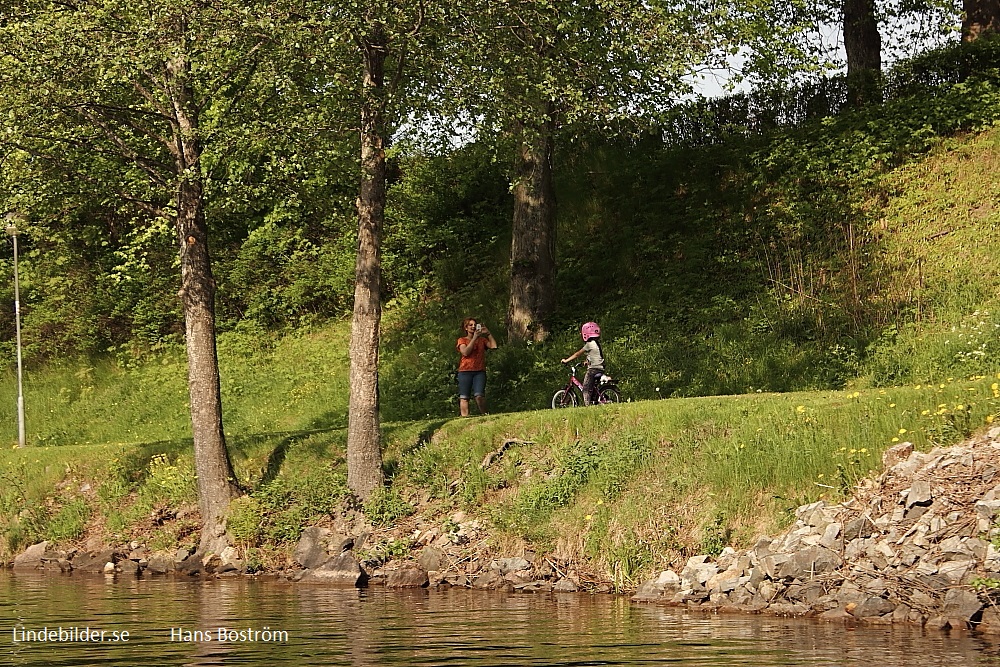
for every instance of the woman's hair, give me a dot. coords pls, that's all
(466, 322)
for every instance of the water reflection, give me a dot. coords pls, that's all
(326, 625)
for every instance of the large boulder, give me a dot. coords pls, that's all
(342, 569)
(32, 558)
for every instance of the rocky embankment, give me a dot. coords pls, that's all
(915, 545)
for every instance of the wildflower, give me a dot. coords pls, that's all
(863, 451)
(926, 412)
(902, 431)
(989, 419)
(892, 405)
(918, 386)
(600, 502)
(800, 409)
(588, 517)
(895, 440)
(820, 476)
(959, 407)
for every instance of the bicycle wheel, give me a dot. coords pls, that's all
(610, 396)
(563, 399)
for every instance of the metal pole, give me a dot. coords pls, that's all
(12, 233)
(17, 325)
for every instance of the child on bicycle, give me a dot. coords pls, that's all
(591, 334)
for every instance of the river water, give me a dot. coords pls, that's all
(55, 620)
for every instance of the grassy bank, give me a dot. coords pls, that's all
(621, 489)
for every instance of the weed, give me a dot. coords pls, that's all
(385, 507)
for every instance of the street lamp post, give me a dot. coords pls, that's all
(12, 233)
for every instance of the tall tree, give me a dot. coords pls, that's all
(385, 47)
(980, 18)
(133, 101)
(533, 69)
(863, 46)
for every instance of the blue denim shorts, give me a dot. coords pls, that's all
(471, 382)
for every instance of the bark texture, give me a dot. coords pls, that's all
(533, 236)
(364, 440)
(981, 17)
(863, 45)
(216, 481)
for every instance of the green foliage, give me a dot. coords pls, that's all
(385, 507)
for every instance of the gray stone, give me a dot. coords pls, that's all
(862, 527)
(408, 575)
(507, 565)
(957, 570)
(872, 606)
(310, 552)
(566, 585)
(31, 558)
(809, 562)
(432, 559)
(160, 563)
(961, 604)
(491, 580)
(663, 585)
(342, 569)
(919, 494)
(93, 561)
(896, 454)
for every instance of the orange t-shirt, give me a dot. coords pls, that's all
(475, 361)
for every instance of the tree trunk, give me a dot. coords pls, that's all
(364, 439)
(533, 236)
(216, 481)
(981, 17)
(863, 45)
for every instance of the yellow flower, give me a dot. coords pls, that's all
(863, 451)
(940, 386)
(892, 405)
(918, 386)
(588, 517)
(926, 412)
(995, 386)
(801, 408)
(600, 502)
(989, 419)
(902, 431)
(820, 476)
(895, 440)
(959, 407)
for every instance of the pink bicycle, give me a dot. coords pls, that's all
(570, 396)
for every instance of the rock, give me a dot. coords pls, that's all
(960, 606)
(160, 563)
(809, 562)
(408, 575)
(343, 569)
(665, 584)
(896, 454)
(507, 565)
(432, 558)
(310, 552)
(566, 585)
(919, 494)
(861, 527)
(93, 562)
(872, 607)
(126, 567)
(109, 568)
(31, 558)
(491, 580)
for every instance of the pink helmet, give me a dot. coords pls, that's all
(590, 330)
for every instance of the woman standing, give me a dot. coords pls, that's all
(472, 367)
